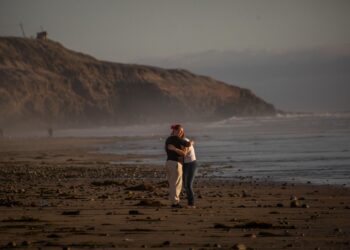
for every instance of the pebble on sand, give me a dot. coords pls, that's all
(12, 244)
(166, 243)
(134, 212)
(142, 187)
(294, 203)
(150, 203)
(250, 235)
(74, 212)
(239, 246)
(26, 243)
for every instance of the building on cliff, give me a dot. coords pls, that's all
(41, 35)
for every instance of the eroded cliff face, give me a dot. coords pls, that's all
(41, 81)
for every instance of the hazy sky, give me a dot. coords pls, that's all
(172, 33)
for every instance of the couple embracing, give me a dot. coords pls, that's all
(180, 166)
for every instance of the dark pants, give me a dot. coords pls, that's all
(189, 171)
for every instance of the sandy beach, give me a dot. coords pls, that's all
(59, 193)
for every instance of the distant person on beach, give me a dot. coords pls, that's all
(50, 132)
(173, 145)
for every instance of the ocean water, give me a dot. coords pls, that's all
(290, 148)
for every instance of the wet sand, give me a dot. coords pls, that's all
(58, 193)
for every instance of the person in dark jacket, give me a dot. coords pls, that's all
(173, 165)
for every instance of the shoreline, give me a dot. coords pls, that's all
(58, 193)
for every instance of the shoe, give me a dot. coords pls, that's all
(177, 205)
(191, 206)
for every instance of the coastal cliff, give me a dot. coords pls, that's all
(42, 81)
